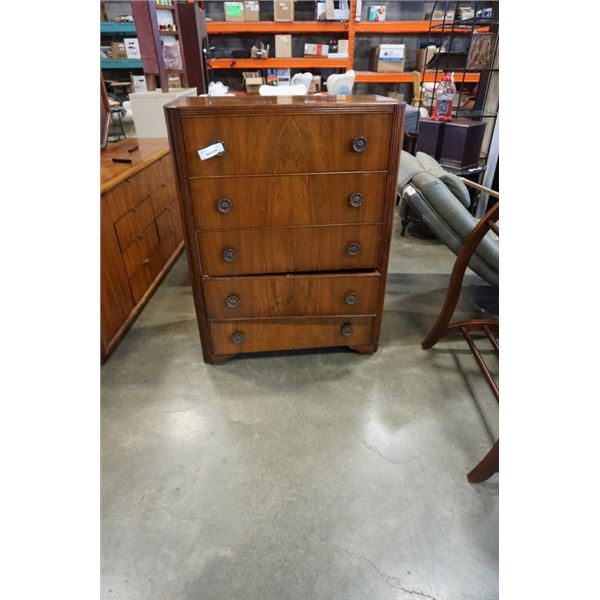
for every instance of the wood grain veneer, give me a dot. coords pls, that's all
(271, 267)
(141, 235)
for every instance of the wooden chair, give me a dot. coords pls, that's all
(489, 465)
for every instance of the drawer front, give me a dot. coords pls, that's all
(168, 245)
(288, 143)
(166, 168)
(158, 173)
(169, 222)
(127, 195)
(291, 296)
(289, 249)
(132, 225)
(139, 252)
(238, 202)
(289, 334)
(163, 196)
(142, 279)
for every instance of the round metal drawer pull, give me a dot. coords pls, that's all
(359, 144)
(351, 298)
(224, 205)
(238, 337)
(229, 255)
(232, 301)
(146, 261)
(346, 330)
(356, 200)
(353, 248)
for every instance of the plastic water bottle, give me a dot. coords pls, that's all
(442, 111)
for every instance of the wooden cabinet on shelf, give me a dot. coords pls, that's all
(288, 228)
(141, 232)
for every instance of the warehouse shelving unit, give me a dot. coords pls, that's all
(352, 28)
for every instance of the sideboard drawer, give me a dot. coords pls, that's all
(289, 249)
(141, 280)
(128, 194)
(169, 222)
(233, 337)
(273, 201)
(292, 295)
(288, 143)
(132, 225)
(140, 251)
(163, 196)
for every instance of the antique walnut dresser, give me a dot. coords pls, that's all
(287, 205)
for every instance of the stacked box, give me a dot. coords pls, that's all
(234, 11)
(388, 58)
(283, 10)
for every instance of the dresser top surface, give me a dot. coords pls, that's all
(267, 103)
(149, 150)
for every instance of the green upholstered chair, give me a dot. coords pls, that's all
(442, 202)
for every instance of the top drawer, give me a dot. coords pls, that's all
(306, 143)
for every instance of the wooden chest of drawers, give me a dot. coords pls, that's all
(288, 229)
(141, 232)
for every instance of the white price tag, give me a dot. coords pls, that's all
(212, 150)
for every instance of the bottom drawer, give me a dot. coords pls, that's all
(142, 279)
(261, 335)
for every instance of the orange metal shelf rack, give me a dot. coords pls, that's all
(351, 27)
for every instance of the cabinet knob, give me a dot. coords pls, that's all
(232, 301)
(359, 144)
(353, 248)
(356, 200)
(346, 330)
(146, 261)
(224, 205)
(238, 337)
(140, 236)
(351, 298)
(229, 255)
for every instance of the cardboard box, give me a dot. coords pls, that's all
(333, 11)
(377, 12)
(252, 81)
(283, 46)
(251, 10)
(388, 58)
(132, 48)
(138, 82)
(279, 77)
(234, 11)
(358, 12)
(174, 81)
(342, 49)
(283, 10)
(117, 50)
(260, 51)
(316, 50)
(424, 55)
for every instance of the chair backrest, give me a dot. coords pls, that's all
(341, 84)
(282, 90)
(304, 79)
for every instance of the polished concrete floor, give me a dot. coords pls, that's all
(315, 476)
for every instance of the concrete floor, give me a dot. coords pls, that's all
(324, 475)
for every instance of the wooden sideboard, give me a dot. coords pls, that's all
(140, 232)
(288, 228)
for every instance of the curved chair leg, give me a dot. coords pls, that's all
(440, 328)
(488, 466)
